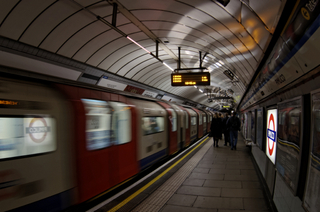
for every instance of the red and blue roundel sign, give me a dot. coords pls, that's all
(271, 134)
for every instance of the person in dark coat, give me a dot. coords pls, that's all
(233, 124)
(216, 129)
(225, 130)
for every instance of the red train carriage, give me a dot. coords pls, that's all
(104, 158)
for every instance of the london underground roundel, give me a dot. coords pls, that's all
(271, 134)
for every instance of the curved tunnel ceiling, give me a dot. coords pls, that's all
(232, 37)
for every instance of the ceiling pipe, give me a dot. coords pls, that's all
(114, 15)
(179, 58)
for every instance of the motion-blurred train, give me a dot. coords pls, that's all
(62, 145)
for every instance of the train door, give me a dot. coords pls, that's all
(180, 125)
(199, 122)
(193, 124)
(205, 121)
(186, 123)
(173, 134)
(123, 138)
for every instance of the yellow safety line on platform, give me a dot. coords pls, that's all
(120, 205)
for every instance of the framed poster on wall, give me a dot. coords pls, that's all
(289, 141)
(253, 126)
(312, 192)
(260, 128)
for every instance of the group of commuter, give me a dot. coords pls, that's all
(228, 126)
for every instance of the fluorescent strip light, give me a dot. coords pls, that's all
(138, 44)
(218, 65)
(220, 61)
(168, 66)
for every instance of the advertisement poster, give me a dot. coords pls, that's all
(312, 193)
(253, 127)
(111, 84)
(260, 127)
(149, 94)
(288, 146)
(133, 89)
(271, 134)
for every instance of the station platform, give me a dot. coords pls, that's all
(212, 179)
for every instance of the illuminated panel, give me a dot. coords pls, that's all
(176, 79)
(190, 79)
(271, 134)
(8, 102)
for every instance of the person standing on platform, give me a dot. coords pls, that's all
(216, 129)
(225, 130)
(233, 124)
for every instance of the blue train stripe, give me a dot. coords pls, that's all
(54, 203)
(152, 159)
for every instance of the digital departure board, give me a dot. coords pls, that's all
(190, 79)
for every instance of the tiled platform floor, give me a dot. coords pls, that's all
(222, 180)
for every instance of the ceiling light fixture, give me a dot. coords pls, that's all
(218, 64)
(167, 66)
(138, 44)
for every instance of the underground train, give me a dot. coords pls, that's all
(61, 145)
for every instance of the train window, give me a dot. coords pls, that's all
(151, 125)
(121, 123)
(193, 120)
(98, 124)
(23, 136)
(200, 119)
(187, 119)
(173, 120)
(204, 119)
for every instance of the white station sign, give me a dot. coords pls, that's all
(271, 134)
